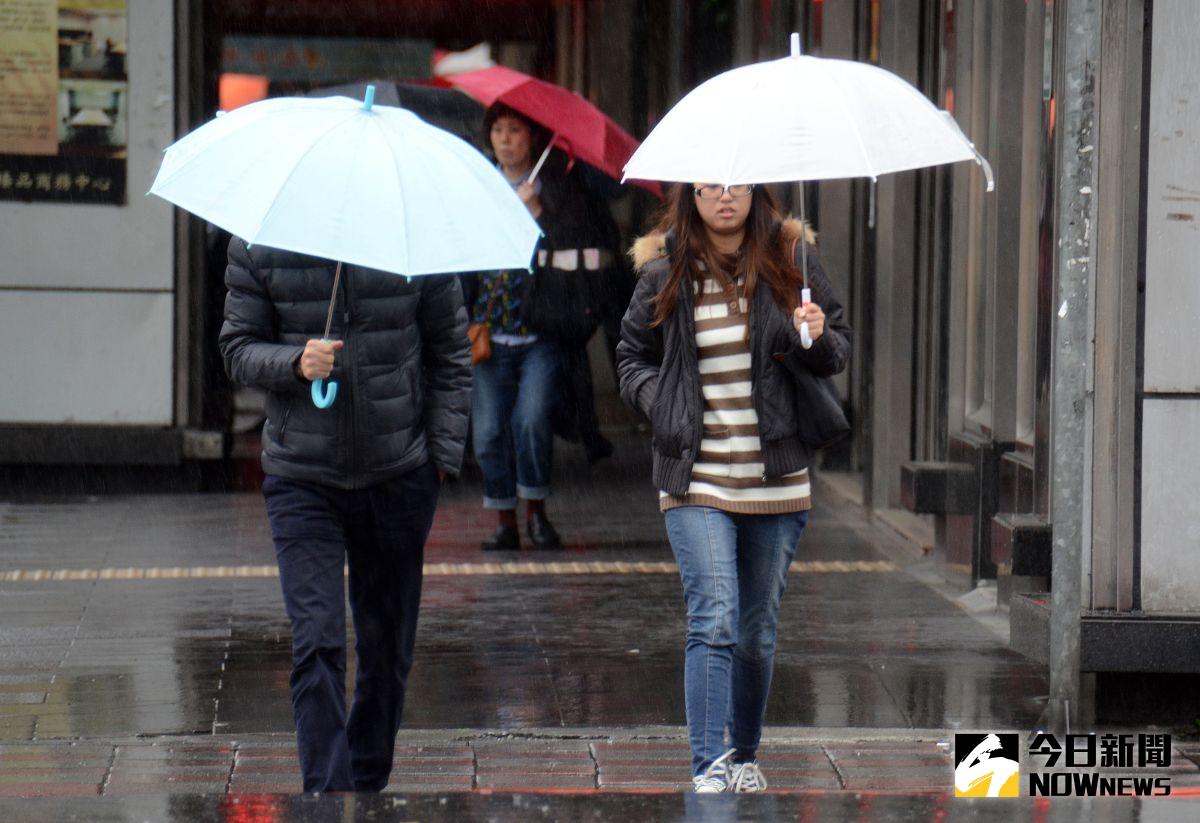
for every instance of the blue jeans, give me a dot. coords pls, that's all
(511, 404)
(380, 533)
(734, 570)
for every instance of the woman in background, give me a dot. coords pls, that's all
(538, 322)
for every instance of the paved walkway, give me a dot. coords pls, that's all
(144, 649)
(587, 760)
(568, 808)
(804, 760)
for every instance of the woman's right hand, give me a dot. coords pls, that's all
(529, 197)
(811, 314)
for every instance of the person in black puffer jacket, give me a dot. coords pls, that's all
(355, 484)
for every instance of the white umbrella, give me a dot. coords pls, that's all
(800, 118)
(345, 180)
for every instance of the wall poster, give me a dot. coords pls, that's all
(64, 99)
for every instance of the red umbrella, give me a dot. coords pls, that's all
(579, 127)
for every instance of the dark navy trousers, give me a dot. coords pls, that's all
(379, 532)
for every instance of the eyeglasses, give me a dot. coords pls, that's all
(712, 192)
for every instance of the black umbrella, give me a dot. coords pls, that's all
(447, 109)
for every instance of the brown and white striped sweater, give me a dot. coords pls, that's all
(729, 474)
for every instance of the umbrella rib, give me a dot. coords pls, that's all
(405, 210)
(275, 200)
(741, 124)
(862, 147)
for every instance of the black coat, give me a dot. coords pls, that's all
(404, 376)
(565, 306)
(659, 371)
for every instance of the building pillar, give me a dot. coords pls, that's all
(895, 279)
(1077, 55)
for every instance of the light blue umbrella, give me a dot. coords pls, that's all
(345, 180)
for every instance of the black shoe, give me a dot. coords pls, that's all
(541, 534)
(504, 539)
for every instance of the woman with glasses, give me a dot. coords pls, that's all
(712, 352)
(537, 321)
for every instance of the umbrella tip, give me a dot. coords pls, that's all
(795, 44)
(369, 98)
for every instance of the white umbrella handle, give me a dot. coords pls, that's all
(805, 336)
(806, 340)
(541, 160)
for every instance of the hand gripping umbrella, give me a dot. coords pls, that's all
(346, 180)
(800, 118)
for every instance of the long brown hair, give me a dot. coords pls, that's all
(762, 257)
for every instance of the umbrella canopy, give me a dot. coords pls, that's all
(446, 108)
(353, 182)
(336, 178)
(584, 130)
(799, 118)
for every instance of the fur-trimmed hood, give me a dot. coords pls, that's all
(650, 247)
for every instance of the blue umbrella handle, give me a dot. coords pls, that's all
(321, 398)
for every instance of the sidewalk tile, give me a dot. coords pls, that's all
(50, 790)
(18, 776)
(517, 783)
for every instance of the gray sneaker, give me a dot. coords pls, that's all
(746, 778)
(715, 779)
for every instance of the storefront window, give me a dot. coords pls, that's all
(980, 219)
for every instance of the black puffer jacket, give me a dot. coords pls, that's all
(404, 376)
(659, 369)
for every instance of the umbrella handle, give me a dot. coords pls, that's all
(541, 160)
(321, 398)
(806, 340)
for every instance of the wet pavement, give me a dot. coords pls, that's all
(578, 760)
(600, 761)
(144, 650)
(518, 808)
(503, 808)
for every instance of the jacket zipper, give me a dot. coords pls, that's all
(352, 375)
(694, 366)
(754, 366)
